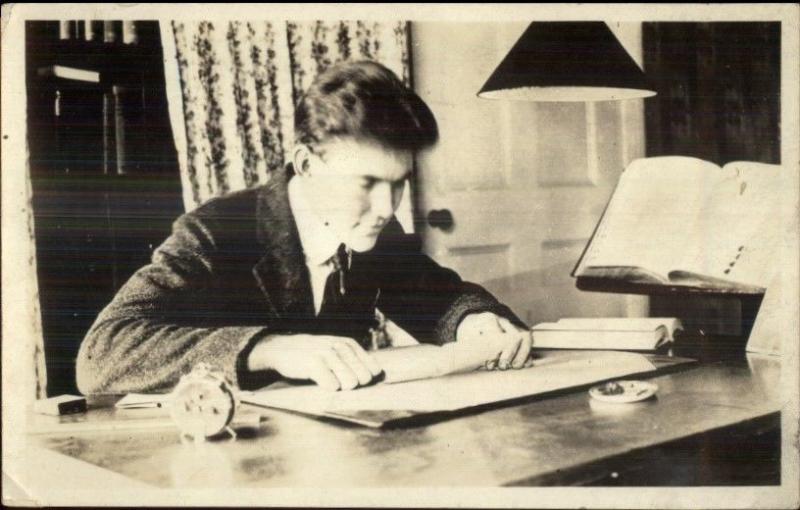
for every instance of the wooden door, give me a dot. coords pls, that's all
(525, 183)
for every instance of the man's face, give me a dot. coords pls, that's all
(355, 188)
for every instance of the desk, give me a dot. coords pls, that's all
(563, 440)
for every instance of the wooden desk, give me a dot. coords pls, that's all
(557, 441)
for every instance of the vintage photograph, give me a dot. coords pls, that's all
(535, 255)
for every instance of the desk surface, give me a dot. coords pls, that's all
(520, 444)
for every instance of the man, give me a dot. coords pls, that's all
(283, 281)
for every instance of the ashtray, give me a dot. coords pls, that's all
(623, 392)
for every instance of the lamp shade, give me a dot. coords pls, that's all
(567, 61)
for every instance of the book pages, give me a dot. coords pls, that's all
(766, 227)
(653, 214)
(739, 225)
(689, 222)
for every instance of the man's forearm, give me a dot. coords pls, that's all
(137, 354)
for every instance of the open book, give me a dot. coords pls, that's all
(614, 333)
(683, 221)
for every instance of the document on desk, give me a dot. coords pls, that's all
(552, 371)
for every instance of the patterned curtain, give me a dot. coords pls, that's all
(232, 88)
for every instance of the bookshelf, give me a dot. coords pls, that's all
(104, 170)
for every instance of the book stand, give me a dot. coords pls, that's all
(718, 323)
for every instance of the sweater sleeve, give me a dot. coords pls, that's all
(145, 339)
(428, 300)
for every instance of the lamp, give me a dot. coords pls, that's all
(567, 61)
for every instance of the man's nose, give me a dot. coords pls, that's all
(381, 200)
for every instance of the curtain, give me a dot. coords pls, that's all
(232, 87)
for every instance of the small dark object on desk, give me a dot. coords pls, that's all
(623, 392)
(60, 405)
(611, 388)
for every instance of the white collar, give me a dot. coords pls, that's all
(318, 240)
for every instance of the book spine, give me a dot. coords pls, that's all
(109, 136)
(65, 30)
(112, 31)
(119, 130)
(130, 33)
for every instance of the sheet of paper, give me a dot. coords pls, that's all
(424, 361)
(409, 363)
(142, 400)
(558, 370)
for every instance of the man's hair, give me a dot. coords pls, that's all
(364, 101)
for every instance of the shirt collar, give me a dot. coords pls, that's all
(318, 240)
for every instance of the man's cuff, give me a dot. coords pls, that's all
(468, 304)
(253, 379)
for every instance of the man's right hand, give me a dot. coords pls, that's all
(333, 362)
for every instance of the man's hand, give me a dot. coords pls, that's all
(495, 340)
(333, 362)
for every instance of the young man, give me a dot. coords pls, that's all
(282, 281)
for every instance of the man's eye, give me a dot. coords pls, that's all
(367, 182)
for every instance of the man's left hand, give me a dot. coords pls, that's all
(500, 343)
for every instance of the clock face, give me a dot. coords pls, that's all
(202, 407)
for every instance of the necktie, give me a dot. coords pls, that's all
(341, 264)
(348, 302)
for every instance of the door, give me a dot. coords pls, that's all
(524, 183)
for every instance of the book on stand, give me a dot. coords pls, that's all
(682, 221)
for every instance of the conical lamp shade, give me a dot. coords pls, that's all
(567, 61)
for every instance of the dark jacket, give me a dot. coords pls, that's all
(233, 272)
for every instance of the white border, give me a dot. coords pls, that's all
(17, 290)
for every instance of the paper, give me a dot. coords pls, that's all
(410, 363)
(143, 401)
(424, 361)
(555, 371)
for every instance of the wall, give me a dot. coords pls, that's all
(525, 182)
(22, 359)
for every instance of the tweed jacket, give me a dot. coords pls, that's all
(232, 272)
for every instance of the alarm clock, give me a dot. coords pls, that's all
(203, 404)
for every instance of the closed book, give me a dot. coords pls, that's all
(614, 333)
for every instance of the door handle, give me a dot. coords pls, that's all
(441, 219)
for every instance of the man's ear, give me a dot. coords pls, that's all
(301, 159)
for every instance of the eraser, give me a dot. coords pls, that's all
(60, 405)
